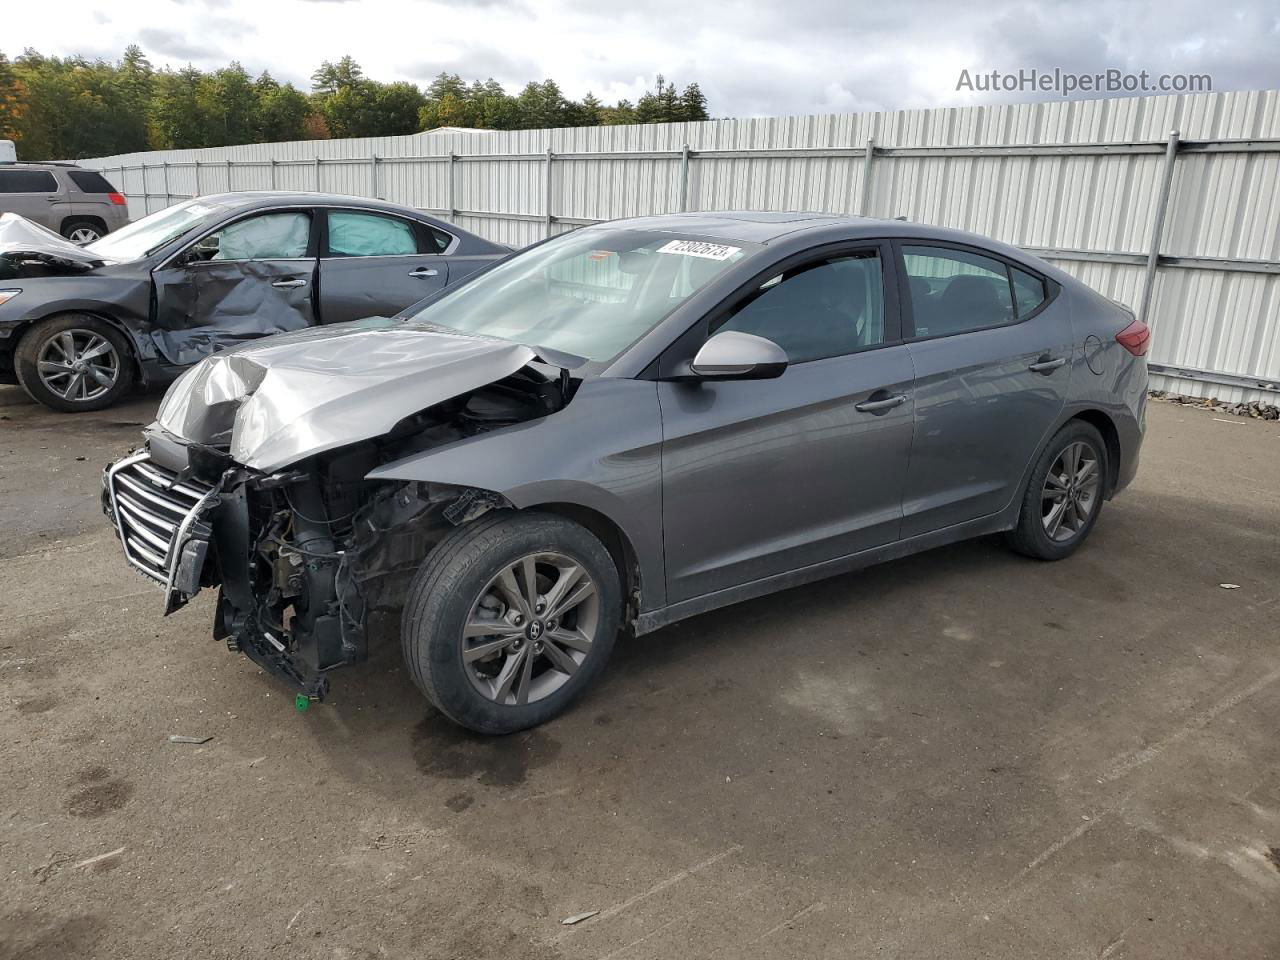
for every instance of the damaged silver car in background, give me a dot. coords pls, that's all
(623, 426)
(80, 325)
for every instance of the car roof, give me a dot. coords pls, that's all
(746, 225)
(764, 227)
(254, 199)
(41, 165)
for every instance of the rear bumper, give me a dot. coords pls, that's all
(1132, 431)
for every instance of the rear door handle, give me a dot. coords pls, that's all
(1048, 364)
(880, 406)
(295, 282)
(424, 272)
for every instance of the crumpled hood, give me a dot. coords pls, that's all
(289, 396)
(23, 242)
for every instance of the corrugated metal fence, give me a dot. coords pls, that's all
(1184, 225)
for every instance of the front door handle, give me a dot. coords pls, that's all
(295, 282)
(424, 272)
(880, 406)
(1047, 364)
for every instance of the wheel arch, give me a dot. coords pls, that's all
(87, 218)
(615, 540)
(133, 357)
(1102, 422)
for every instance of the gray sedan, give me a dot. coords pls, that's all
(80, 325)
(622, 427)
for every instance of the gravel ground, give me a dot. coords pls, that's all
(962, 754)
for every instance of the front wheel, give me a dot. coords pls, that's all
(510, 618)
(74, 363)
(1064, 495)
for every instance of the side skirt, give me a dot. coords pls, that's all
(664, 616)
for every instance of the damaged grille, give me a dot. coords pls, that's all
(155, 514)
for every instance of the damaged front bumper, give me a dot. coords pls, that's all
(296, 571)
(162, 522)
(185, 534)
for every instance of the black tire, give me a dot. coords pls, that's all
(83, 227)
(451, 582)
(33, 343)
(1031, 537)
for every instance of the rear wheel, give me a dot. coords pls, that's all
(83, 231)
(1064, 495)
(510, 618)
(74, 363)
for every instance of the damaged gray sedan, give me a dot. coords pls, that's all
(80, 325)
(622, 427)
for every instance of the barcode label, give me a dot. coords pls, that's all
(697, 248)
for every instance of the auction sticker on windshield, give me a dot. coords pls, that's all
(698, 248)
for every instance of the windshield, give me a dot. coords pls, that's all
(592, 293)
(151, 233)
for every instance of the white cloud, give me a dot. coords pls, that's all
(753, 57)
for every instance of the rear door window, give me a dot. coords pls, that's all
(89, 182)
(354, 234)
(955, 291)
(27, 181)
(1028, 291)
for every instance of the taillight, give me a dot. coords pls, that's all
(117, 198)
(1135, 338)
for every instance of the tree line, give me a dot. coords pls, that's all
(65, 108)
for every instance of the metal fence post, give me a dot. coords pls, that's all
(272, 174)
(864, 205)
(546, 191)
(164, 168)
(197, 178)
(229, 187)
(373, 175)
(451, 201)
(684, 178)
(1157, 227)
(317, 174)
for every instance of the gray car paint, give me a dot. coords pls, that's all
(172, 322)
(762, 476)
(733, 489)
(601, 453)
(742, 553)
(280, 399)
(205, 307)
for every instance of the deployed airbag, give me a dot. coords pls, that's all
(275, 236)
(362, 235)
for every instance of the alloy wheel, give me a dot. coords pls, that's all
(83, 235)
(1070, 492)
(78, 365)
(530, 629)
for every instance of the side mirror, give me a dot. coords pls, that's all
(733, 355)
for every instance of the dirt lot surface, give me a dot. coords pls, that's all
(963, 754)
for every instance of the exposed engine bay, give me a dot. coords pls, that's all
(303, 555)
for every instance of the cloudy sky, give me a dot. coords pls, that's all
(752, 57)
